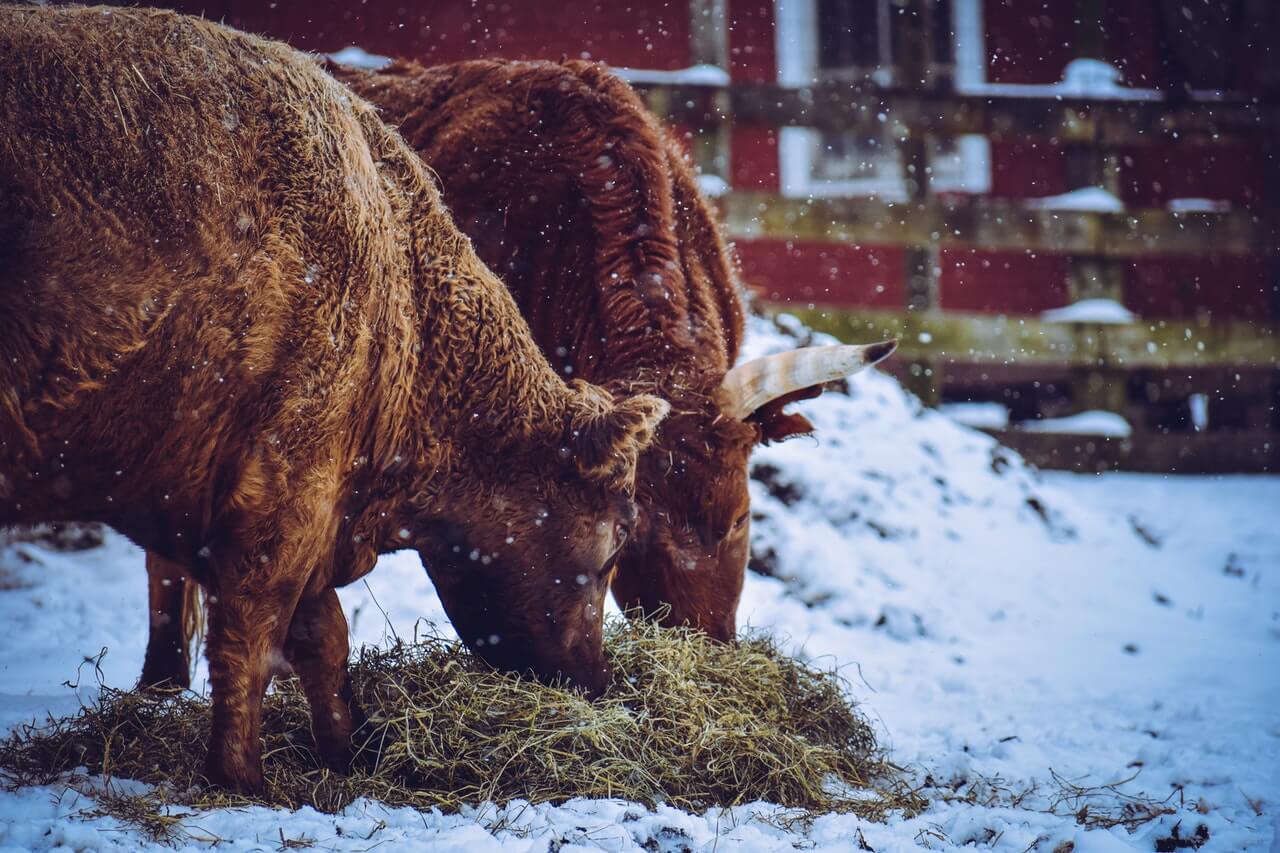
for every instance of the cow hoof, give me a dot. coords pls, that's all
(164, 678)
(337, 756)
(249, 783)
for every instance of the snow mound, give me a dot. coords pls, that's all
(1086, 199)
(1092, 78)
(847, 518)
(977, 415)
(713, 186)
(358, 57)
(694, 75)
(1198, 205)
(1090, 311)
(1092, 422)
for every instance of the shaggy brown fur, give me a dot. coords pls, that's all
(237, 324)
(591, 214)
(573, 193)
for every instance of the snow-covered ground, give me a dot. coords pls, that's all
(1004, 628)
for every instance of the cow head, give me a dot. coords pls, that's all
(689, 553)
(522, 556)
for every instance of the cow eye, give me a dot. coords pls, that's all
(742, 519)
(620, 533)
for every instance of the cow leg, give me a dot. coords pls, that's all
(168, 660)
(317, 647)
(248, 624)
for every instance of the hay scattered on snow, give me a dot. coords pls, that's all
(686, 721)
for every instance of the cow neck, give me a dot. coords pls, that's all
(458, 370)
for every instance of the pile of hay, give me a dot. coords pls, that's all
(685, 721)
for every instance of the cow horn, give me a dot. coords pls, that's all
(749, 386)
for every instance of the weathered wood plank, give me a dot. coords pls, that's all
(1220, 452)
(993, 224)
(867, 106)
(952, 337)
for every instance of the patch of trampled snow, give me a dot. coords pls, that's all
(358, 57)
(1093, 422)
(1094, 199)
(1106, 311)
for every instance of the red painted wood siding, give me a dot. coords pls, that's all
(1150, 177)
(634, 33)
(753, 159)
(1028, 41)
(1031, 41)
(1236, 287)
(752, 52)
(1027, 168)
(824, 273)
(1002, 282)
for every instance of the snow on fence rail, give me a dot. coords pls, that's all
(992, 339)
(1092, 366)
(841, 105)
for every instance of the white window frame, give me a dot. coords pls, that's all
(796, 43)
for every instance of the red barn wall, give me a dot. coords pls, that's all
(1225, 172)
(1028, 41)
(753, 151)
(1031, 41)
(1012, 282)
(1027, 168)
(753, 159)
(825, 273)
(752, 52)
(1227, 287)
(636, 33)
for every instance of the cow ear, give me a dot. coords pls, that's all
(777, 425)
(605, 440)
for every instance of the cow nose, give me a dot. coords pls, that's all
(590, 678)
(593, 681)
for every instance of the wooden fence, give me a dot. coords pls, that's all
(1138, 369)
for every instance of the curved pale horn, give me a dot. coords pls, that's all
(749, 386)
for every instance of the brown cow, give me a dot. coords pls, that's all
(573, 193)
(238, 325)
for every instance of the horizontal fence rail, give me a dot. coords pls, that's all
(1153, 452)
(994, 224)
(1029, 341)
(1149, 371)
(835, 106)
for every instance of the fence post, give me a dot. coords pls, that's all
(709, 45)
(914, 69)
(1094, 276)
(1270, 78)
